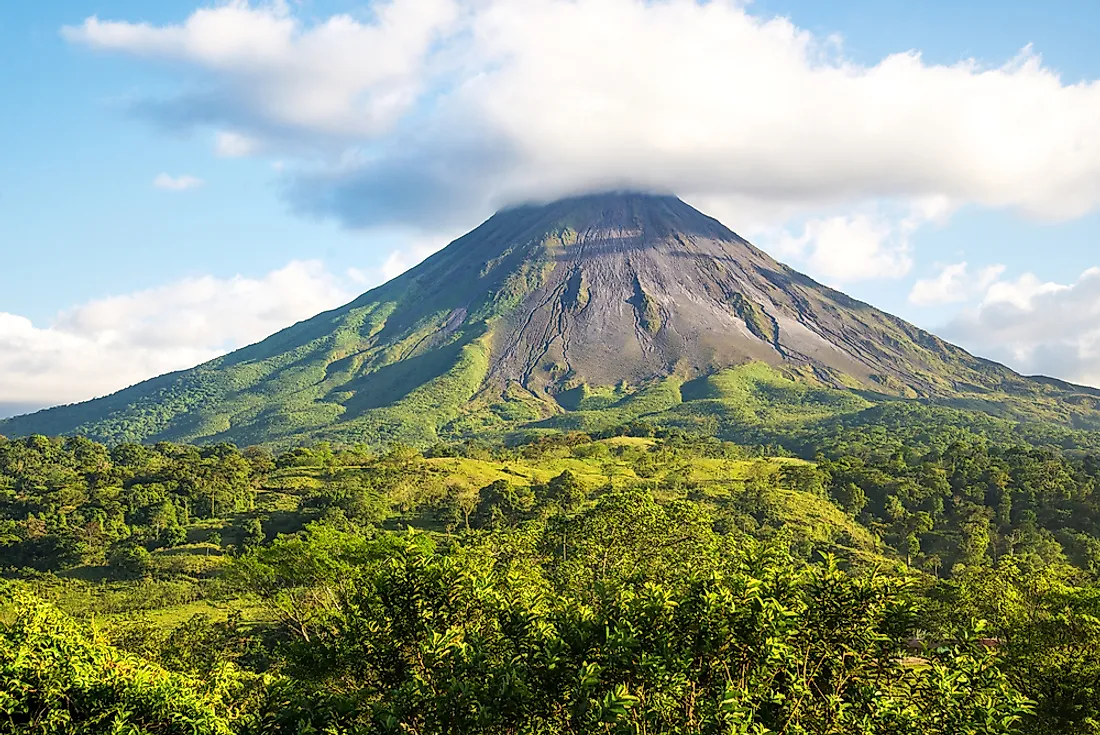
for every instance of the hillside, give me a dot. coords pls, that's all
(581, 313)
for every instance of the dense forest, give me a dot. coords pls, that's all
(930, 576)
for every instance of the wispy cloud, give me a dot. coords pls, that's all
(177, 183)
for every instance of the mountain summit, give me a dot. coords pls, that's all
(625, 303)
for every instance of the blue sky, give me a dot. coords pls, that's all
(347, 172)
(77, 210)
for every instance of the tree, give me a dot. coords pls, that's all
(974, 542)
(803, 478)
(851, 498)
(359, 502)
(174, 535)
(300, 579)
(226, 477)
(629, 535)
(462, 500)
(59, 680)
(131, 561)
(501, 504)
(261, 462)
(214, 538)
(565, 491)
(252, 533)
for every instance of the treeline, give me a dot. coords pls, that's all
(973, 503)
(72, 502)
(69, 502)
(937, 503)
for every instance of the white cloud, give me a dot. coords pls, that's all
(1022, 292)
(1038, 327)
(107, 344)
(437, 109)
(873, 243)
(228, 144)
(954, 284)
(177, 183)
(849, 248)
(338, 77)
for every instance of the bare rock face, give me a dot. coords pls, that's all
(611, 290)
(638, 286)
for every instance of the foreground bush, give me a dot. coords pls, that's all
(430, 642)
(56, 679)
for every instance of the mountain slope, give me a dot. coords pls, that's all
(618, 302)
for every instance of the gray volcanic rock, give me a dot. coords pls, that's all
(640, 286)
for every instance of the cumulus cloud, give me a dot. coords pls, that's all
(872, 243)
(1038, 327)
(177, 183)
(107, 344)
(432, 112)
(954, 284)
(270, 72)
(848, 248)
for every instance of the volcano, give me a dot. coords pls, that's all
(584, 311)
